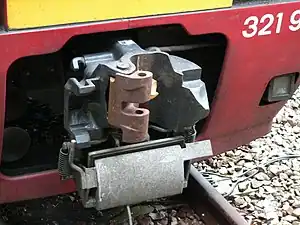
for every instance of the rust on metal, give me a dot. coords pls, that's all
(209, 204)
(126, 94)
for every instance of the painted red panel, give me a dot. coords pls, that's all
(33, 186)
(236, 117)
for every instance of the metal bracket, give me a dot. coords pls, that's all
(133, 177)
(124, 112)
(182, 100)
(145, 87)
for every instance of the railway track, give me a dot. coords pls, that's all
(210, 207)
(209, 204)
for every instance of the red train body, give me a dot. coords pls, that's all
(257, 49)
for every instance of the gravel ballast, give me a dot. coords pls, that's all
(262, 179)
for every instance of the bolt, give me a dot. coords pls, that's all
(153, 49)
(122, 66)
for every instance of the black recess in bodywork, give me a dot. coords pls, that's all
(42, 77)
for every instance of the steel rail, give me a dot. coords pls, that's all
(209, 204)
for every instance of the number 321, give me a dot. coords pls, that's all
(268, 20)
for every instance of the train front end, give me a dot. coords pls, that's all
(115, 100)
